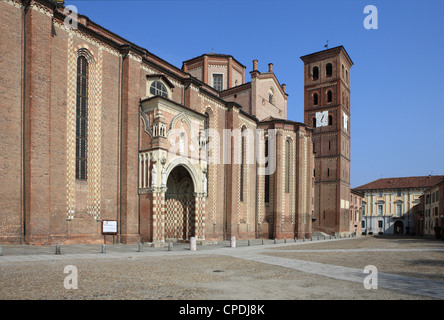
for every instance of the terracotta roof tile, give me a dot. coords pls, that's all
(402, 183)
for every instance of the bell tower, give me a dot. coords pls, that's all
(327, 111)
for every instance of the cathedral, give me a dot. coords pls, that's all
(97, 129)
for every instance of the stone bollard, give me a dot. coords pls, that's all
(233, 242)
(249, 242)
(275, 241)
(57, 249)
(170, 246)
(1, 250)
(103, 248)
(263, 241)
(193, 243)
(139, 247)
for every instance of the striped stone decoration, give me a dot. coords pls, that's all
(158, 216)
(199, 222)
(71, 131)
(94, 139)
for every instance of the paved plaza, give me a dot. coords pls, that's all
(406, 268)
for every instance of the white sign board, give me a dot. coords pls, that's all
(109, 227)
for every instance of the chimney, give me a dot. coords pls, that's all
(270, 67)
(284, 87)
(255, 65)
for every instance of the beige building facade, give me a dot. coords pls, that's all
(387, 203)
(433, 211)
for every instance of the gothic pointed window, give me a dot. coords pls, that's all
(287, 165)
(242, 165)
(267, 177)
(81, 118)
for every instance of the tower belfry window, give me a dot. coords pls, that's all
(315, 73)
(329, 96)
(329, 70)
(315, 99)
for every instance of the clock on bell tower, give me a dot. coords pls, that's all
(327, 111)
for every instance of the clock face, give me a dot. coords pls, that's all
(321, 119)
(345, 119)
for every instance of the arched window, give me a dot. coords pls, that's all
(157, 88)
(329, 96)
(315, 99)
(330, 120)
(82, 118)
(267, 177)
(287, 165)
(329, 70)
(315, 73)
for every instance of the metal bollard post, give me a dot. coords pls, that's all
(57, 250)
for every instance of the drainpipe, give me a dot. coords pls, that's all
(23, 210)
(119, 213)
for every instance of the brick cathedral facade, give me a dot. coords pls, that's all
(97, 128)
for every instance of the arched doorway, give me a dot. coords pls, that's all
(179, 205)
(399, 227)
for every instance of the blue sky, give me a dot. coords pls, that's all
(396, 110)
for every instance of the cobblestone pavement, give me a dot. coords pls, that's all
(408, 268)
